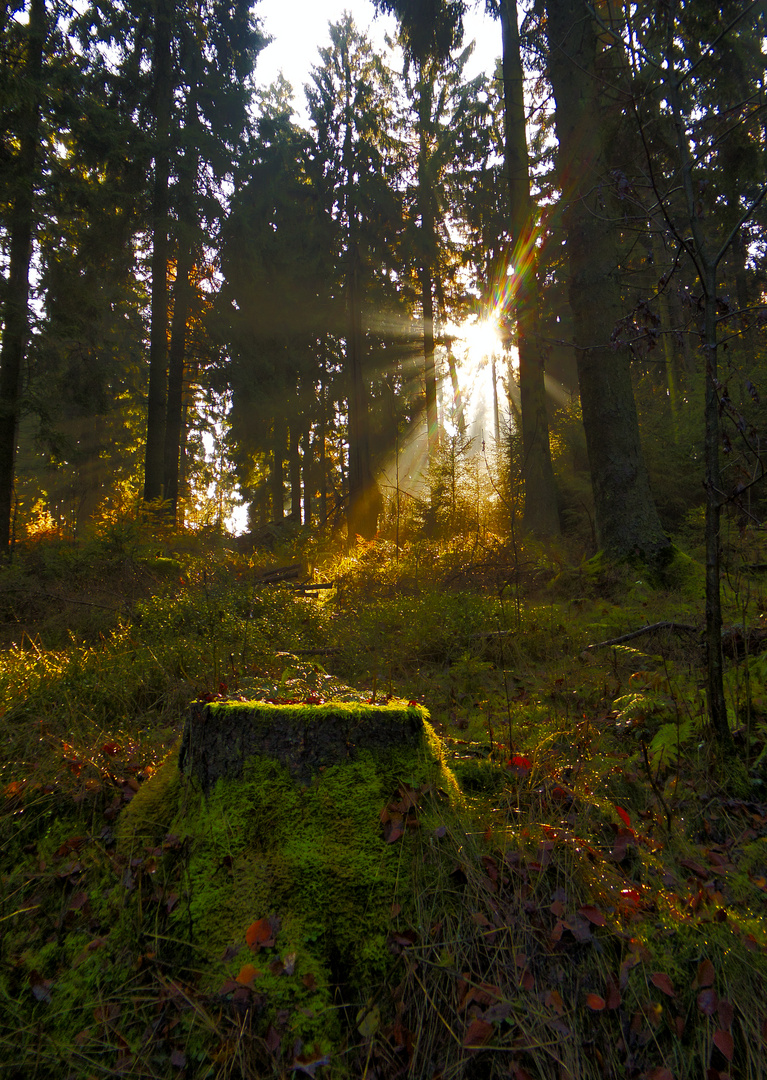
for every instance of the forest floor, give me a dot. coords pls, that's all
(591, 904)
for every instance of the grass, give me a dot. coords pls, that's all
(592, 905)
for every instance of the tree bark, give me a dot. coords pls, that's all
(183, 291)
(427, 249)
(162, 64)
(20, 230)
(364, 496)
(627, 521)
(541, 516)
(279, 438)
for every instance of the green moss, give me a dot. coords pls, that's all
(312, 856)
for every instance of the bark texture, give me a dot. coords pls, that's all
(627, 520)
(20, 230)
(219, 738)
(162, 64)
(541, 516)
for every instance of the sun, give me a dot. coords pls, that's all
(478, 339)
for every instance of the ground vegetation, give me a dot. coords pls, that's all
(563, 878)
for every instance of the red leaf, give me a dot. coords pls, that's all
(478, 1033)
(520, 765)
(726, 1014)
(613, 998)
(697, 869)
(663, 983)
(593, 914)
(631, 899)
(110, 749)
(623, 815)
(723, 1042)
(595, 1002)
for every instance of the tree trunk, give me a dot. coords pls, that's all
(541, 516)
(428, 247)
(183, 291)
(307, 467)
(162, 63)
(20, 231)
(364, 496)
(294, 466)
(627, 521)
(707, 270)
(279, 436)
(458, 414)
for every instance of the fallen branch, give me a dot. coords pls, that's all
(649, 629)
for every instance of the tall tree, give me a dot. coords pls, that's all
(704, 67)
(164, 12)
(627, 520)
(541, 516)
(351, 107)
(24, 169)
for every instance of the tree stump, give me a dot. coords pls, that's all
(220, 736)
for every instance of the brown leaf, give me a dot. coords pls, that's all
(554, 999)
(593, 914)
(724, 1043)
(479, 1033)
(613, 998)
(247, 974)
(309, 981)
(697, 869)
(595, 1002)
(704, 976)
(259, 935)
(660, 1073)
(726, 1014)
(663, 983)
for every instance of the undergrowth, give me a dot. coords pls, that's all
(593, 905)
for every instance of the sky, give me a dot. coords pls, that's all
(300, 27)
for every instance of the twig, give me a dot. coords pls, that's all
(646, 630)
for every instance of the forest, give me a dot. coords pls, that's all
(383, 579)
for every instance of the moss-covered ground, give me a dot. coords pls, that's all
(562, 879)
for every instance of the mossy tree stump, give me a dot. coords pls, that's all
(220, 737)
(276, 815)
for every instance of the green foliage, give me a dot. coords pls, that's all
(548, 882)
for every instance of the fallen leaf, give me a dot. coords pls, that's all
(663, 983)
(704, 976)
(726, 1014)
(724, 1043)
(41, 988)
(309, 981)
(478, 1033)
(306, 1063)
(661, 1073)
(247, 974)
(260, 935)
(368, 1022)
(593, 914)
(613, 997)
(707, 1002)
(595, 1002)
(624, 816)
